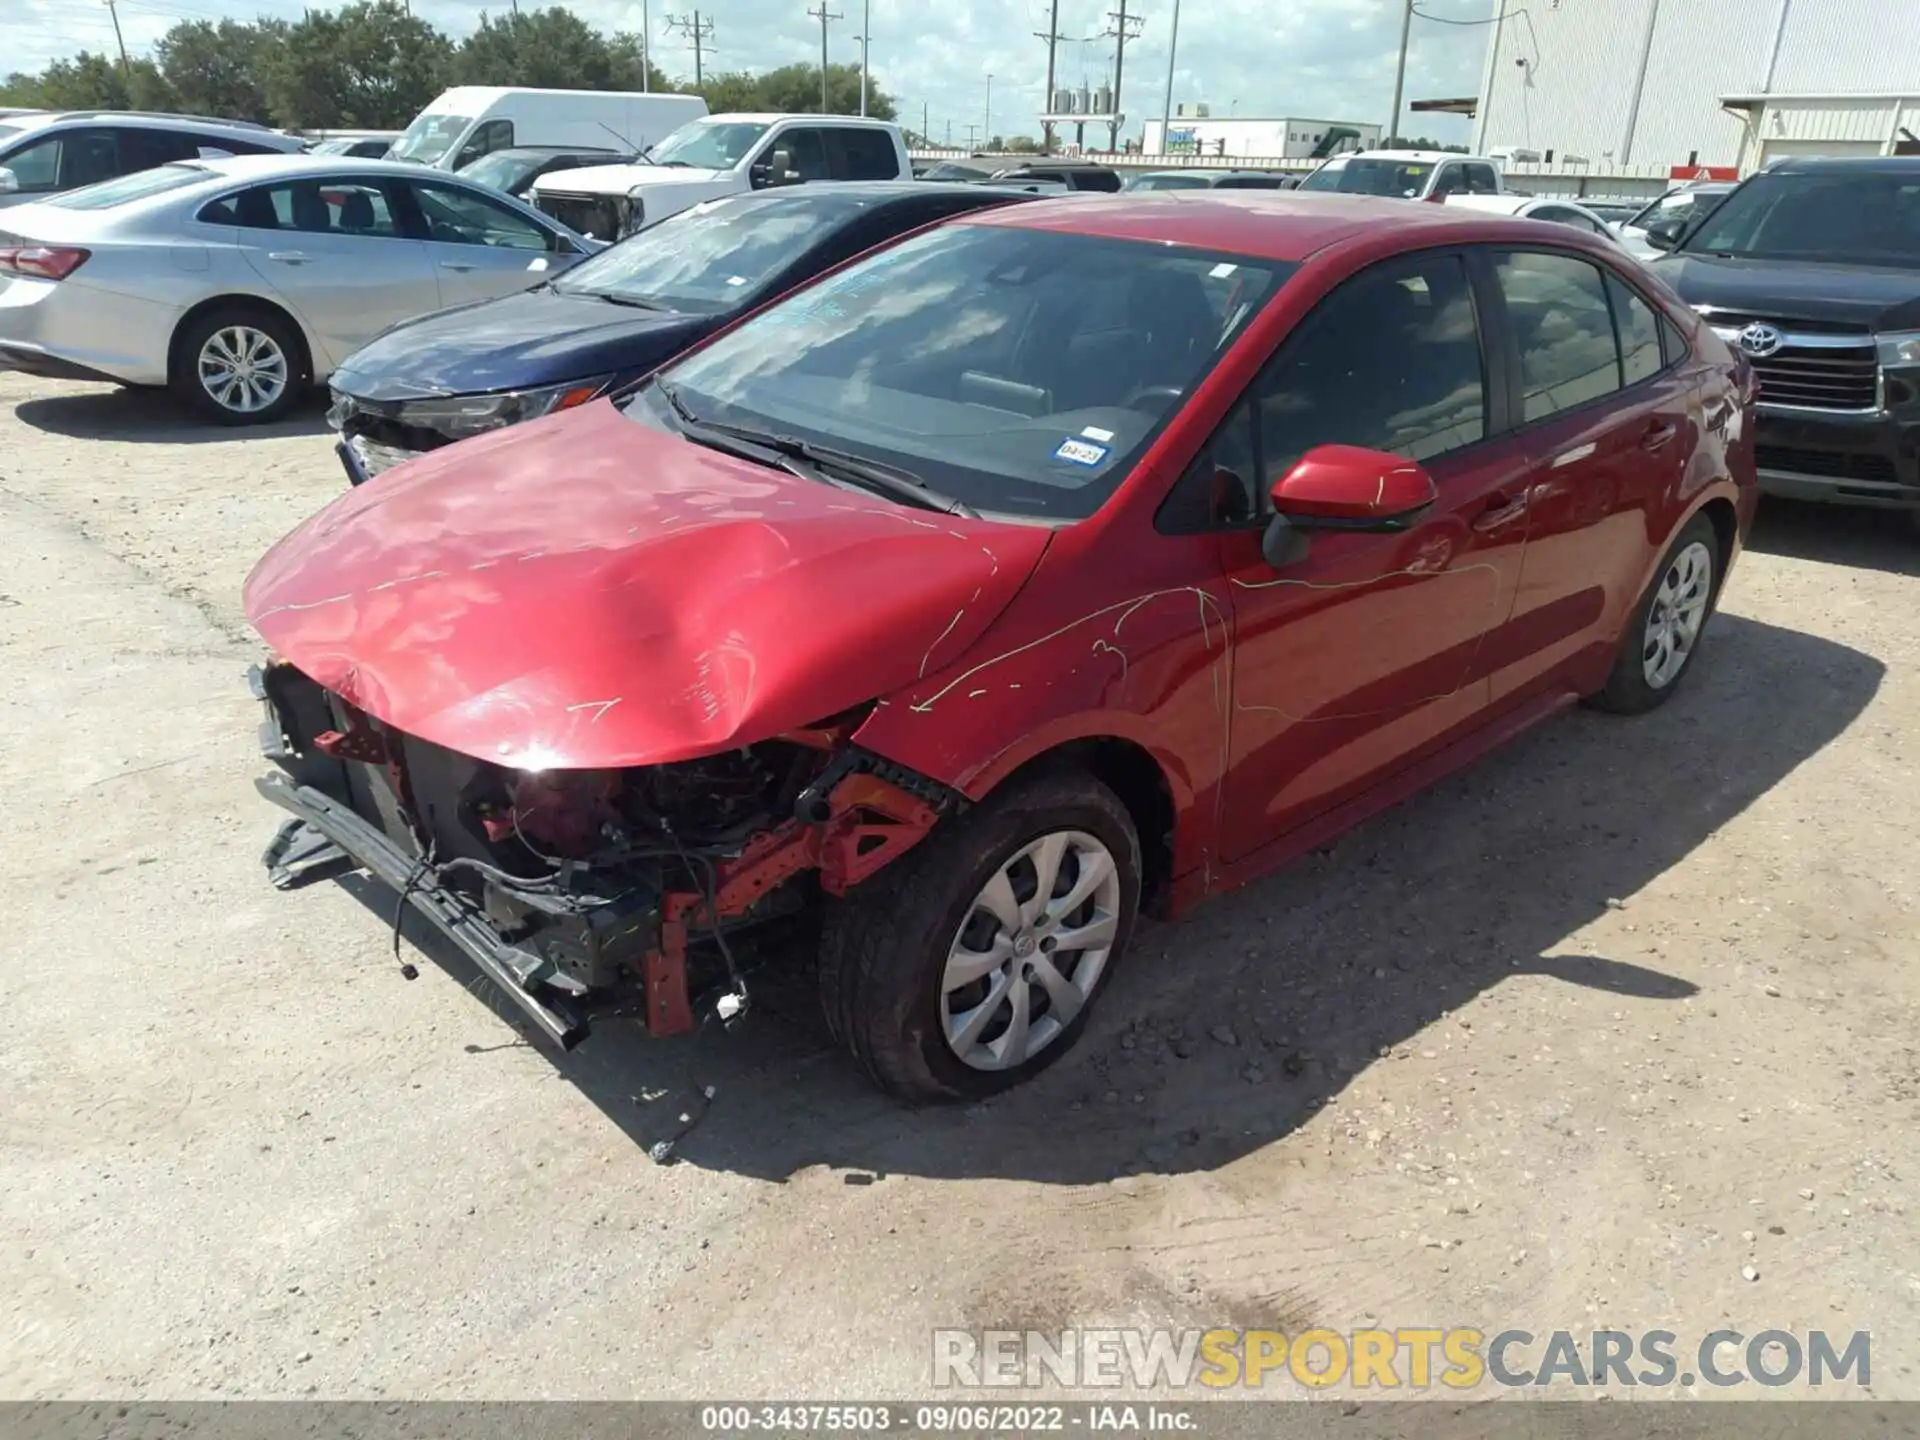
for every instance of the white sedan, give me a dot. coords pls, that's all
(242, 282)
(1538, 207)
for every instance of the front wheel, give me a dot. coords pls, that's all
(1663, 633)
(973, 962)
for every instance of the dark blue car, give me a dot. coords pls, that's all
(615, 317)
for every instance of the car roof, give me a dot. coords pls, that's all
(1280, 225)
(147, 120)
(1846, 164)
(767, 117)
(1415, 157)
(254, 167)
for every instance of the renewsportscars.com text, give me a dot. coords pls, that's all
(1456, 1359)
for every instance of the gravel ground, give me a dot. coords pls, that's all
(1615, 1029)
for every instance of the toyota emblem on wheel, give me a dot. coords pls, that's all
(1760, 340)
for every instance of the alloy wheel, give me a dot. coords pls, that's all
(1031, 950)
(1679, 610)
(243, 369)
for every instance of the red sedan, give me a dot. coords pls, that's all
(1069, 559)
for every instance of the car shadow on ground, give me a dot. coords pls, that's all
(1847, 535)
(154, 417)
(1228, 1030)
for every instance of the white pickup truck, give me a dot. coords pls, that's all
(721, 155)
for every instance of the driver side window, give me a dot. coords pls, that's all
(460, 217)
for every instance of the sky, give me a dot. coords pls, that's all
(1311, 59)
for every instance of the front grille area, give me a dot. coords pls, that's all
(599, 217)
(1821, 379)
(1825, 463)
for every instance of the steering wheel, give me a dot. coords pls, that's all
(1171, 393)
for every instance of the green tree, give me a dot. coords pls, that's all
(217, 69)
(552, 48)
(90, 82)
(368, 65)
(734, 90)
(796, 89)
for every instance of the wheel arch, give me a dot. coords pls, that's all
(240, 300)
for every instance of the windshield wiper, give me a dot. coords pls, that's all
(814, 461)
(631, 302)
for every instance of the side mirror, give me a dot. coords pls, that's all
(9, 182)
(780, 166)
(1663, 232)
(1343, 487)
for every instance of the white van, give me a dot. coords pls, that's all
(468, 121)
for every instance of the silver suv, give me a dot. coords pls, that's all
(42, 155)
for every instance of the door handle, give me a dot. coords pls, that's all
(1658, 434)
(1500, 511)
(461, 265)
(289, 257)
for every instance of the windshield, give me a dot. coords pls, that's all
(1169, 182)
(1682, 205)
(1021, 371)
(429, 137)
(1399, 178)
(715, 256)
(137, 186)
(1843, 217)
(708, 145)
(502, 169)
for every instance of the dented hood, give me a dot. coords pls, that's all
(585, 592)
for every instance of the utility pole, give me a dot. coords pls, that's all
(866, 39)
(986, 126)
(949, 134)
(926, 135)
(1166, 108)
(1125, 27)
(972, 132)
(823, 15)
(1400, 73)
(646, 50)
(1053, 37)
(698, 31)
(126, 65)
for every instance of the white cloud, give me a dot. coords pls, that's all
(1325, 59)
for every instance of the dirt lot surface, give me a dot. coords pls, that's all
(1616, 1029)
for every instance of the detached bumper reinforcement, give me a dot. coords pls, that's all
(502, 964)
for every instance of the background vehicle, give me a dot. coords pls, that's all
(1054, 563)
(1211, 180)
(469, 121)
(297, 260)
(429, 382)
(45, 154)
(1811, 268)
(722, 155)
(1675, 210)
(355, 145)
(513, 171)
(1537, 207)
(1069, 175)
(1611, 210)
(1407, 174)
(952, 170)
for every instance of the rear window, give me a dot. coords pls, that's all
(128, 188)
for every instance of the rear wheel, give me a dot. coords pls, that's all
(240, 365)
(973, 962)
(1663, 634)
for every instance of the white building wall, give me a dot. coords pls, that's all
(1251, 138)
(1582, 56)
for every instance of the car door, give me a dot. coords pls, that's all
(333, 250)
(1370, 651)
(480, 247)
(1607, 422)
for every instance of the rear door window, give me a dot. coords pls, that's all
(313, 207)
(1563, 326)
(143, 149)
(862, 154)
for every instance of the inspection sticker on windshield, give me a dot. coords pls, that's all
(1080, 452)
(1222, 270)
(1094, 432)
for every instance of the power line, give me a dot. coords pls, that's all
(698, 32)
(823, 15)
(1053, 37)
(1125, 27)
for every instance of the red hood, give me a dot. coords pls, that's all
(583, 592)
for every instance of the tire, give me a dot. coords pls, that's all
(886, 948)
(263, 354)
(1638, 683)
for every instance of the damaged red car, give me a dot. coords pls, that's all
(1068, 561)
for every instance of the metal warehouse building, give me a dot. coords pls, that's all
(1710, 82)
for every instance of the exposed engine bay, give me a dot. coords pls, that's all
(578, 890)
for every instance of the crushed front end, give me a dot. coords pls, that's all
(585, 892)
